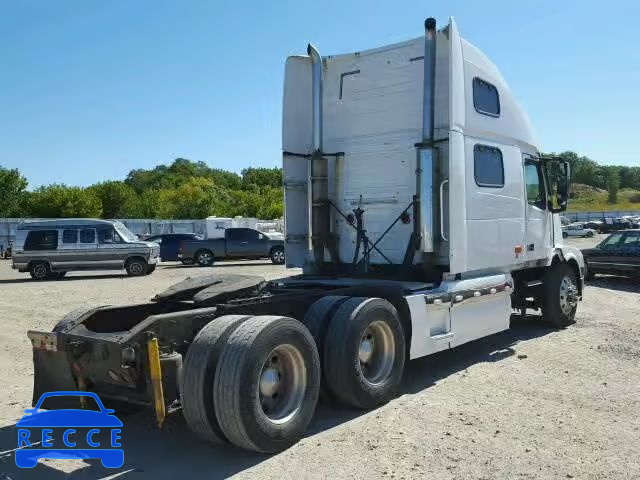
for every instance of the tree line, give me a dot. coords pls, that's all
(182, 190)
(187, 189)
(611, 178)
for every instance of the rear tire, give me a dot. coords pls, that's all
(277, 256)
(266, 384)
(364, 352)
(589, 234)
(39, 270)
(203, 258)
(559, 295)
(136, 267)
(150, 269)
(317, 320)
(198, 373)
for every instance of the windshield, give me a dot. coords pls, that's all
(126, 234)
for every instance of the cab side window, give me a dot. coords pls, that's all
(488, 166)
(108, 236)
(534, 184)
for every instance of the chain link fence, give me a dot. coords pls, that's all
(586, 216)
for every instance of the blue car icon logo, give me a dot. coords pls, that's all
(79, 433)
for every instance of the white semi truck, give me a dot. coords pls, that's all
(422, 214)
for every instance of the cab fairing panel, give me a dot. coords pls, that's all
(375, 117)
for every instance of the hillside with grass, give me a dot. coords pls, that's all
(585, 198)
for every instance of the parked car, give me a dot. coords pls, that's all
(594, 224)
(48, 249)
(613, 225)
(618, 254)
(577, 230)
(170, 244)
(236, 243)
(632, 220)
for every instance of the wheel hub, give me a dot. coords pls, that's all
(366, 350)
(376, 352)
(568, 295)
(269, 381)
(282, 383)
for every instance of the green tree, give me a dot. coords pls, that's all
(12, 192)
(118, 199)
(60, 201)
(179, 172)
(262, 177)
(197, 198)
(613, 184)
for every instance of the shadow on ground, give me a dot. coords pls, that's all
(622, 284)
(175, 453)
(223, 264)
(73, 278)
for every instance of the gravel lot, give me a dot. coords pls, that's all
(526, 403)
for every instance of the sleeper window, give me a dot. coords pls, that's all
(485, 98)
(488, 166)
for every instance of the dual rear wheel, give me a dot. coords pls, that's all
(252, 381)
(255, 381)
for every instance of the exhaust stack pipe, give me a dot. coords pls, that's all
(424, 220)
(429, 80)
(316, 62)
(319, 218)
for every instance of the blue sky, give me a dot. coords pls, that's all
(90, 90)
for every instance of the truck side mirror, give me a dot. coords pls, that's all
(559, 181)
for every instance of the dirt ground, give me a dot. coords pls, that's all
(527, 403)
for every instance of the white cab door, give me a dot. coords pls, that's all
(538, 228)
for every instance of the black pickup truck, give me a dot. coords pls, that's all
(236, 243)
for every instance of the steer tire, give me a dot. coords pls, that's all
(136, 267)
(317, 320)
(40, 271)
(151, 269)
(198, 371)
(262, 344)
(74, 317)
(553, 296)
(372, 382)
